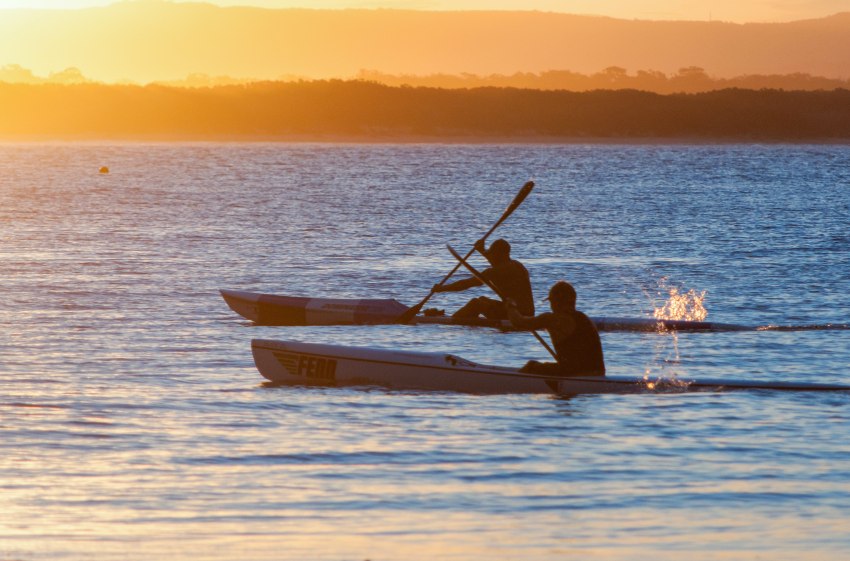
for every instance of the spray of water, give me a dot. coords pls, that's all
(679, 305)
(683, 305)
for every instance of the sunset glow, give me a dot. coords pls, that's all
(145, 41)
(719, 10)
(81, 67)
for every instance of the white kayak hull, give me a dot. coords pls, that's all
(312, 364)
(272, 309)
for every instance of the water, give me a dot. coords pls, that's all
(135, 425)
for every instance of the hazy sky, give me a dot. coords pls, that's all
(722, 10)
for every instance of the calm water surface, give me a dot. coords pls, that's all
(135, 426)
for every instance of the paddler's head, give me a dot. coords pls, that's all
(562, 296)
(498, 252)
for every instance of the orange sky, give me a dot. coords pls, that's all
(723, 10)
(200, 44)
(142, 41)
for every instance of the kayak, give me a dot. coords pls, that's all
(272, 309)
(312, 364)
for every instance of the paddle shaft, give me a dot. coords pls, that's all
(523, 193)
(479, 276)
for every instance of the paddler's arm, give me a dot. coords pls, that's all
(525, 322)
(458, 286)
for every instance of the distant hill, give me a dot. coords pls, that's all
(152, 40)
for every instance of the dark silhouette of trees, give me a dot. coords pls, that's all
(691, 79)
(369, 111)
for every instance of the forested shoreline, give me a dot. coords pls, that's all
(691, 79)
(362, 110)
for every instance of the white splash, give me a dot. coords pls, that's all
(663, 372)
(683, 305)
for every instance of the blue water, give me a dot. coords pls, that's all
(135, 426)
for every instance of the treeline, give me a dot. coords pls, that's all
(691, 79)
(371, 111)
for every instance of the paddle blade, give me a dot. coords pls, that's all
(523, 193)
(407, 316)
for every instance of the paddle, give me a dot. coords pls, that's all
(523, 193)
(477, 275)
